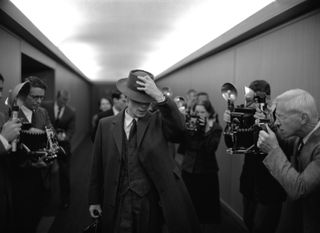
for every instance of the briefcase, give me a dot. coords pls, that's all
(94, 227)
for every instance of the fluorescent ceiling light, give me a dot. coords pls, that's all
(60, 20)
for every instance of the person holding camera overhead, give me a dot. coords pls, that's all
(262, 194)
(199, 166)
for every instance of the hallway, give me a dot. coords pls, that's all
(76, 217)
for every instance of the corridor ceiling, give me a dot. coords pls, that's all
(106, 39)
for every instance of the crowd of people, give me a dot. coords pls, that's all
(136, 185)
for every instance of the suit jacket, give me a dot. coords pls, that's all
(301, 179)
(100, 115)
(65, 123)
(153, 133)
(5, 185)
(200, 150)
(41, 118)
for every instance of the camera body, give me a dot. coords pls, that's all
(242, 132)
(193, 122)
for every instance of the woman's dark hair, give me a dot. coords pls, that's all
(209, 108)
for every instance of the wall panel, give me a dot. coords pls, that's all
(287, 56)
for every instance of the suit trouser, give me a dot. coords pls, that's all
(64, 173)
(64, 179)
(261, 218)
(139, 214)
(28, 199)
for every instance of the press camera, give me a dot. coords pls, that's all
(32, 143)
(192, 121)
(241, 133)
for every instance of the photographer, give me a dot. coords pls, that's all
(296, 115)
(262, 194)
(200, 167)
(30, 176)
(9, 131)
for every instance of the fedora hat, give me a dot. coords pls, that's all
(128, 86)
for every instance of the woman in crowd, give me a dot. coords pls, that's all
(104, 105)
(200, 167)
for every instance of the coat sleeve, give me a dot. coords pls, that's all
(96, 177)
(172, 120)
(297, 184)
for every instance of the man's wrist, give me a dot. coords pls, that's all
(161, 99)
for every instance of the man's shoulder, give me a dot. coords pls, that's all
(105, 114)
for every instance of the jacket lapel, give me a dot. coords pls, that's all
(142, 127)
(117, 130)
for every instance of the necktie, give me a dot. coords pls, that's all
(33, 118)
(133, 129)
(300, 146)
(58, 116)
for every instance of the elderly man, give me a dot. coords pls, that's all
(296, 115)
(135, 183)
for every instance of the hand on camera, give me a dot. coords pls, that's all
(226, 116)
(41, 163)
(267, 141)
(11, 129)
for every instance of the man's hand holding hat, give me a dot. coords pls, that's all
(147, 85)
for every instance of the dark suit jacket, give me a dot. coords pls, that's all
(200, 150)
(100, 115)
(5, 185)
(65, 123)
(153, 133)
(301, 179)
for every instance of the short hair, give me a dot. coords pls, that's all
(260, 86)
(298, 100)
(116, 95)
(63, 92)
(36, 82)
(1, 78)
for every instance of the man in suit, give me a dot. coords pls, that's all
(9, 131)
(63, 118)
(135, 183)
(30, 176)
(118, 103)
(296, 115)
(262, 195)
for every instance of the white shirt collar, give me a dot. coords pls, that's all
(306, 138)
(128, 122)
(27, 112)
(115, 111)
(56, 109)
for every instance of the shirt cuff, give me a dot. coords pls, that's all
(5, 142)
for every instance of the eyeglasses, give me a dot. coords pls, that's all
(36, 97)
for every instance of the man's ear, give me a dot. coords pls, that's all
(304, 118)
